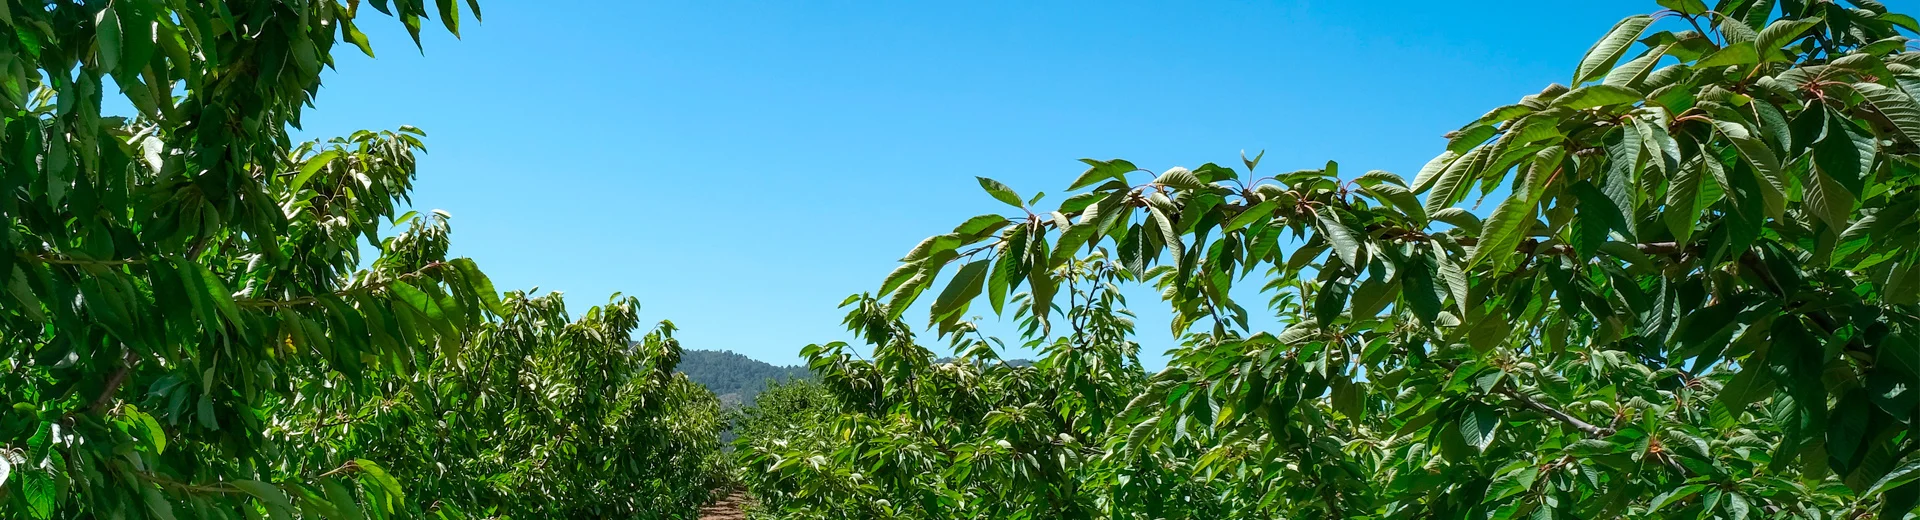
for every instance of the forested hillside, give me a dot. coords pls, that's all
(734, 378)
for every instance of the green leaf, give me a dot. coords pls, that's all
(1346, 241)
(313, 165)
(450, 16)
(276, 500)
(1736, 54)
(40, 491)
(1421, 293)
(1635, 72)
(1041, 285)
(150, 429)
(215, 292)
(1907, 471)
(157, 503)
(1687, 7)
(1594, 96)
(1460, 218)
(1447, 184)
(1896, 106)
(1610, 48)
(1430, 173)
(1683, 196)
(1256, 213)
(900, 275)
(1779, 34)
(1479, 424)
(1752, 383)
(1826, 199)
(1675, 495)
(1509, 223)
(908, 291)
(1330, 301)
(1401, 199)
(1894, 382)
(1845, 154)
(1099, 171)
(1007, 271)
(107, 30)
(1254, 162)
(1168, 233)
(1000, 192)
(1596, 215)
(481, 285)
(1736, 504)
(1375, 177)
(1735, 31)
(137, 38)
(204, 412)
(981, 225)
(342, 499)
(966, 285)
(1773, 187)
(417, 299)
(373, 471)
(1620, 186)
(355, 37)
(1180, 178)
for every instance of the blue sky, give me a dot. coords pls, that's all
(742, 167)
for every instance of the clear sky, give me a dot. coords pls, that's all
(742, 167)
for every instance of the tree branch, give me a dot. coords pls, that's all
(1535, 405)
(61, 260)
(114, 381)
(304, 300)
(1533, 247)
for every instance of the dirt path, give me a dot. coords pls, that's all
(730, 508)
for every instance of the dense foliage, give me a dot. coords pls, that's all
(188, 327)
(1693, 294)
(793, 414)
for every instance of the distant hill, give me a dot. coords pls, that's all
(733, 377)
(736, 379)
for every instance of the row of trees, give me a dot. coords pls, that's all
(1694, 295)
(188, 328)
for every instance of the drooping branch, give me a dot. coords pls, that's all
(62, 260)
(305, 300)
(244, 302)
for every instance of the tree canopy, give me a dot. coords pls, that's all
(188, 327)
(1680, 285)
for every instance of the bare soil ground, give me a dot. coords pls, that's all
(733, 507)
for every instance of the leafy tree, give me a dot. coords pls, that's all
(1694, 296)
(792, 416)
(188, 328)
